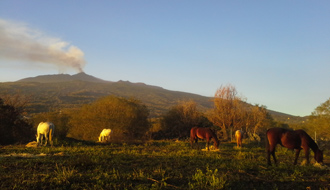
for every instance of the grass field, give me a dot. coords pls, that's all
(155, 165)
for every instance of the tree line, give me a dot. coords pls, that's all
(129, 119)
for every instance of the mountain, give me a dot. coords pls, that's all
(55, 92)
(63, 78)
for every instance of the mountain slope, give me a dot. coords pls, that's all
(55, 92)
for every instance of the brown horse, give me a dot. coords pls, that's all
(297, 139)
(239, 138)
(203, 133)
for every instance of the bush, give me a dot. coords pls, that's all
(127, 118)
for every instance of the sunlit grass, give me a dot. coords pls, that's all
(156, 165)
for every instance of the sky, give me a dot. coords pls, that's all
(275, 53)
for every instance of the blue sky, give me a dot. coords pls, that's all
(276, 53)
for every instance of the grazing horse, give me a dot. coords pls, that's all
(45, 129)
(105, 135)
(297, 139)
(203, 133)
(239, 138)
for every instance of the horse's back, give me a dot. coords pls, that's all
(105, 132)
(275, 133)
(44, 127)
(287, 138)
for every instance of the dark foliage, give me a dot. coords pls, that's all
(13, 127)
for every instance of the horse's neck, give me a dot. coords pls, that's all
(312, 144)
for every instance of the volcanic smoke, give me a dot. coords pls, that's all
(18, 42)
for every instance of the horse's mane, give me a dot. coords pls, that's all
(310, 142)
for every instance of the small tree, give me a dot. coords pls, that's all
(319, 121)
(178, 121)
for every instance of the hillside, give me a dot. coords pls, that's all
(55, 92)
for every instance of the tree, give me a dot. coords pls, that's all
(13, 126)
(178, 121)
(319, 121)
(127, 118)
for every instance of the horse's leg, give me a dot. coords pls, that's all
(46, 137)
(297, 155)
(273, 154)
(191, 142)
(306, 150)
(38, 138)
(208, 143)
(271, 151)
(41, 138)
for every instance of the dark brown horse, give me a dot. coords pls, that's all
(203, 133)
(297, 139)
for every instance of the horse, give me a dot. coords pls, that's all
(297, 140)
(203, 133)
(105, 135)
(239, 137)
(45, 129)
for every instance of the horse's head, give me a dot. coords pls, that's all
(318, 156)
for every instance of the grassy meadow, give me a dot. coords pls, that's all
(155, 165)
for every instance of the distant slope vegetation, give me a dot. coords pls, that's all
(55, 92)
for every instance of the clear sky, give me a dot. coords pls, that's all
(276, 53)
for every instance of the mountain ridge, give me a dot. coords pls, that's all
(63, 78)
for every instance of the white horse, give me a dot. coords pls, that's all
(105, 135)
(45, 129)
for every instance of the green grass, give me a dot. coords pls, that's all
(154, 165)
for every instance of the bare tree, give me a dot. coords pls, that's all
(231, 112)
(227, 112)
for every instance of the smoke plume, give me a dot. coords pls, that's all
(18, 42)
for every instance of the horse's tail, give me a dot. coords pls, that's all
(51, 136)
(267, 141)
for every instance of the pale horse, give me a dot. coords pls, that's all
(239, 138)
(105, 135)
(45, 129)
